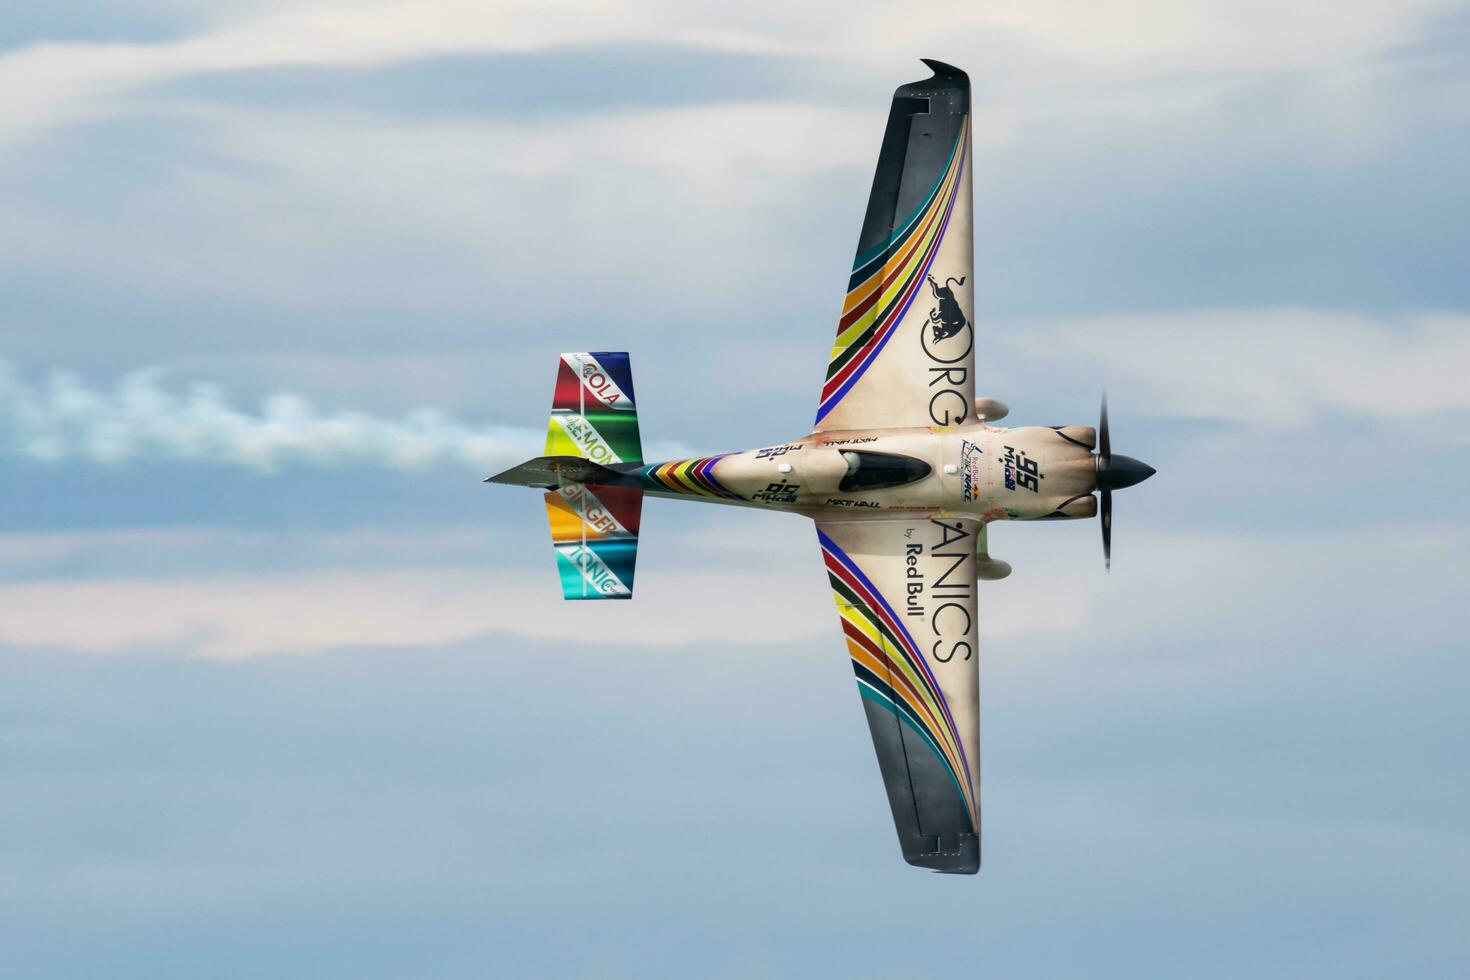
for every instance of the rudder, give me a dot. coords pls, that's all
(593, 414)
(594, 527)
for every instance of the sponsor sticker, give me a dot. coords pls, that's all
(778, 493)
(970, 464)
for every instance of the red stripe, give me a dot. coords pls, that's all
(836, 381)
(706, 472)
(837, 568)
(874, 605)
(625, 503)
(696, 473)
(862, 639)
(916, 235)
(895, 676)
(567, 396)
(921, 668)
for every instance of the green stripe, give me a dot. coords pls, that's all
(620, 431)
(873, 619)
(864, 258)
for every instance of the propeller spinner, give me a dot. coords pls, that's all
(1113, 473)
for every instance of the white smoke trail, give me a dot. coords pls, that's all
(64, 420)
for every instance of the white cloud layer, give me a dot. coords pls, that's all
(704, 592)
(54, 83)
(75, 81)
(1269, 367)
(231, 617)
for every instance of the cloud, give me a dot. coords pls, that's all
(1282, 367)
(705, 589)
(65, 82)
(163, 552)
(233, 617)
(291, 222)
(219, 594)
(473, 227)
(65, 420)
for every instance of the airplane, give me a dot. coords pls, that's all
(902, 472)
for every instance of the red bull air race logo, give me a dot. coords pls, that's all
(947, 337)
(970, 463)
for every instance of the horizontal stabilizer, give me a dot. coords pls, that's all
(549, 472)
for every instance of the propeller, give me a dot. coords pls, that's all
(1113, 473)
(1105, 511)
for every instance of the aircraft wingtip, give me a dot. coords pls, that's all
(943, 70)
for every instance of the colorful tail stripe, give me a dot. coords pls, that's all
(593, 414)
(594, 530)
(688, 476)
(891, 670)
(886, 278)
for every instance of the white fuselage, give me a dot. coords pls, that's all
(979, 470)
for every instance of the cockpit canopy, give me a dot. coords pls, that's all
(878, 471)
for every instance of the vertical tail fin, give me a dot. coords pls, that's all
(593, 414)
(594, 528)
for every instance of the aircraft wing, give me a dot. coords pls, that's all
(905, 590)
(905, 348)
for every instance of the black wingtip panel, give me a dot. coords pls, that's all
(934, 829)
(923, 122)
(948, 855)
(942, 70)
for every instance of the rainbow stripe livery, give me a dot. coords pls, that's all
(688, 477)
(887, 278)
(594, 528)
(894, 674)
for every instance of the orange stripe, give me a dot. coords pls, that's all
(886, 274)
(882, 665)
(566, 524)
(947, 750)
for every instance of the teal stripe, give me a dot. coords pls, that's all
(619, 557)
(864, 258)
(571, 577)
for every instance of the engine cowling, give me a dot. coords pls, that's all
(1082, 435)
(1076, 509)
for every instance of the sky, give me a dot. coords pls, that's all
(288, 691)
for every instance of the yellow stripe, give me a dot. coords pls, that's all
(928, 708)
(928, 226)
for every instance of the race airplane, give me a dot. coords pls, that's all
(901, 472)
